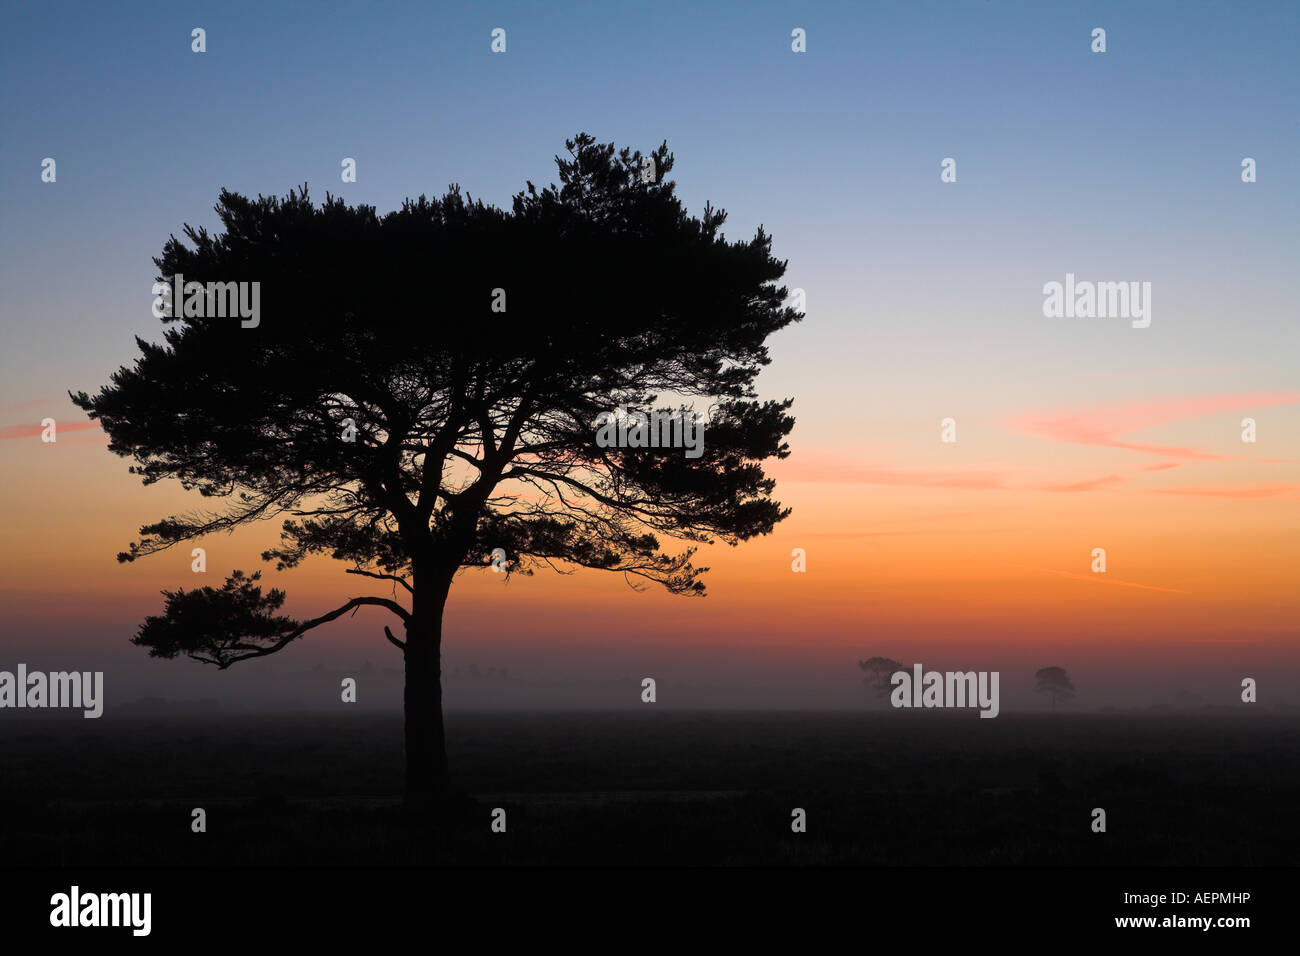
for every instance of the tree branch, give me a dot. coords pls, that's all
(254, 651)
(384, 577)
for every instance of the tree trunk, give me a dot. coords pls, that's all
(426, 748)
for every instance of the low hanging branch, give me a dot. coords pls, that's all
(223, 626)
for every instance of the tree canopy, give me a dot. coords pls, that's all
(422, 386)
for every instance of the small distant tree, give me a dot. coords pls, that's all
(1054, 681)
(879, 670)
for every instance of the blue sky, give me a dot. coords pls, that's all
(1123, 163)
(924, 298)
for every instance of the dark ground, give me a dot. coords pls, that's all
(657, 787)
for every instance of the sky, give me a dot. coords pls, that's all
(924, 303)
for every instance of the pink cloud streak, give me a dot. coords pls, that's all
(32, 431)
(1103, 427)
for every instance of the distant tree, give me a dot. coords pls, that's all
(879, 670)
(422, 390)
(1054, 681)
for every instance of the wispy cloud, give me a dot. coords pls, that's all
(1231, 491)
(830, 470)
(1102, 427)
(31, 431)
(1090, 484)
(1101, 579)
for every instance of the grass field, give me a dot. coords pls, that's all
(658, 787)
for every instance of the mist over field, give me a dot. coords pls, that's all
(308, 678)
